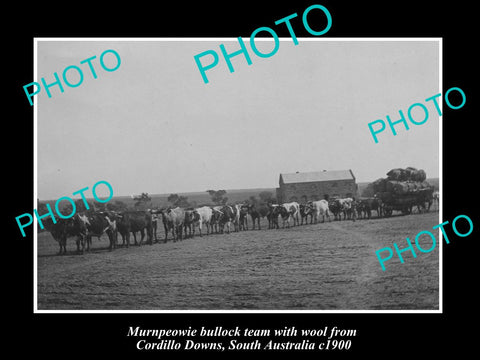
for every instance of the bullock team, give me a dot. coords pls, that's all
(181, 223)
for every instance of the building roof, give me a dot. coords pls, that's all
(315, 176)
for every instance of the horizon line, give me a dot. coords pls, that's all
(204, 191)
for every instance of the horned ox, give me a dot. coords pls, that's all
(319, 208)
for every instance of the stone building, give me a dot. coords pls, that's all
(317, 185)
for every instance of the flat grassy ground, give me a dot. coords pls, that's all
(328, 265)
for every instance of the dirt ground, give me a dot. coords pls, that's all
(323, 266)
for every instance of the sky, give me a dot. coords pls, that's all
(154, 126)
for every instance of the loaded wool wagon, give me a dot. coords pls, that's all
(402, 190)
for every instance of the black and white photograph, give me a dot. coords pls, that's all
(262, 189)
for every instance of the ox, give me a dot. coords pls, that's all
(167, 224)
(133, 222)
(257, 212)
(174, 220)
(243, 217)
(305, 211)
(204, 218)
(366, 205)
(192, 219)
(215, 220)
(236, 216)
(272, 215)
(424, 200)
(98, 223)
(436, 200)
(346, 206)
(224, 216)
(65, 228)
(290, 210)
(154, 216)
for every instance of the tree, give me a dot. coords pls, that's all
(141, 200)
(266, 197)
(218, 196)
(180, 201)
(172, 198)
(117, 205)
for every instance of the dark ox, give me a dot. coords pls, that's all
(346, 206)
(133, 222)
(306, 210)
(99, 223)
(192, 220)
(65, 228)
(366, 205)
(256, 212)
(223, 217)
(243, 220)
(215, 220)
(425, 199)
(274, 211)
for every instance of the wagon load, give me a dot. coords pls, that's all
(416, 175)
(402, 181)
(402, 189)
(406, 187)
(397, 175)
(379, 185)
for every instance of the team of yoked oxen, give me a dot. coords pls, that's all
(180, 223)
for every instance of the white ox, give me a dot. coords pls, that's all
(236, 212)
(320, 208)
(205, 216)
(293, 210)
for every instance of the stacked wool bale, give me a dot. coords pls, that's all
(402, 181)
(408, 174)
